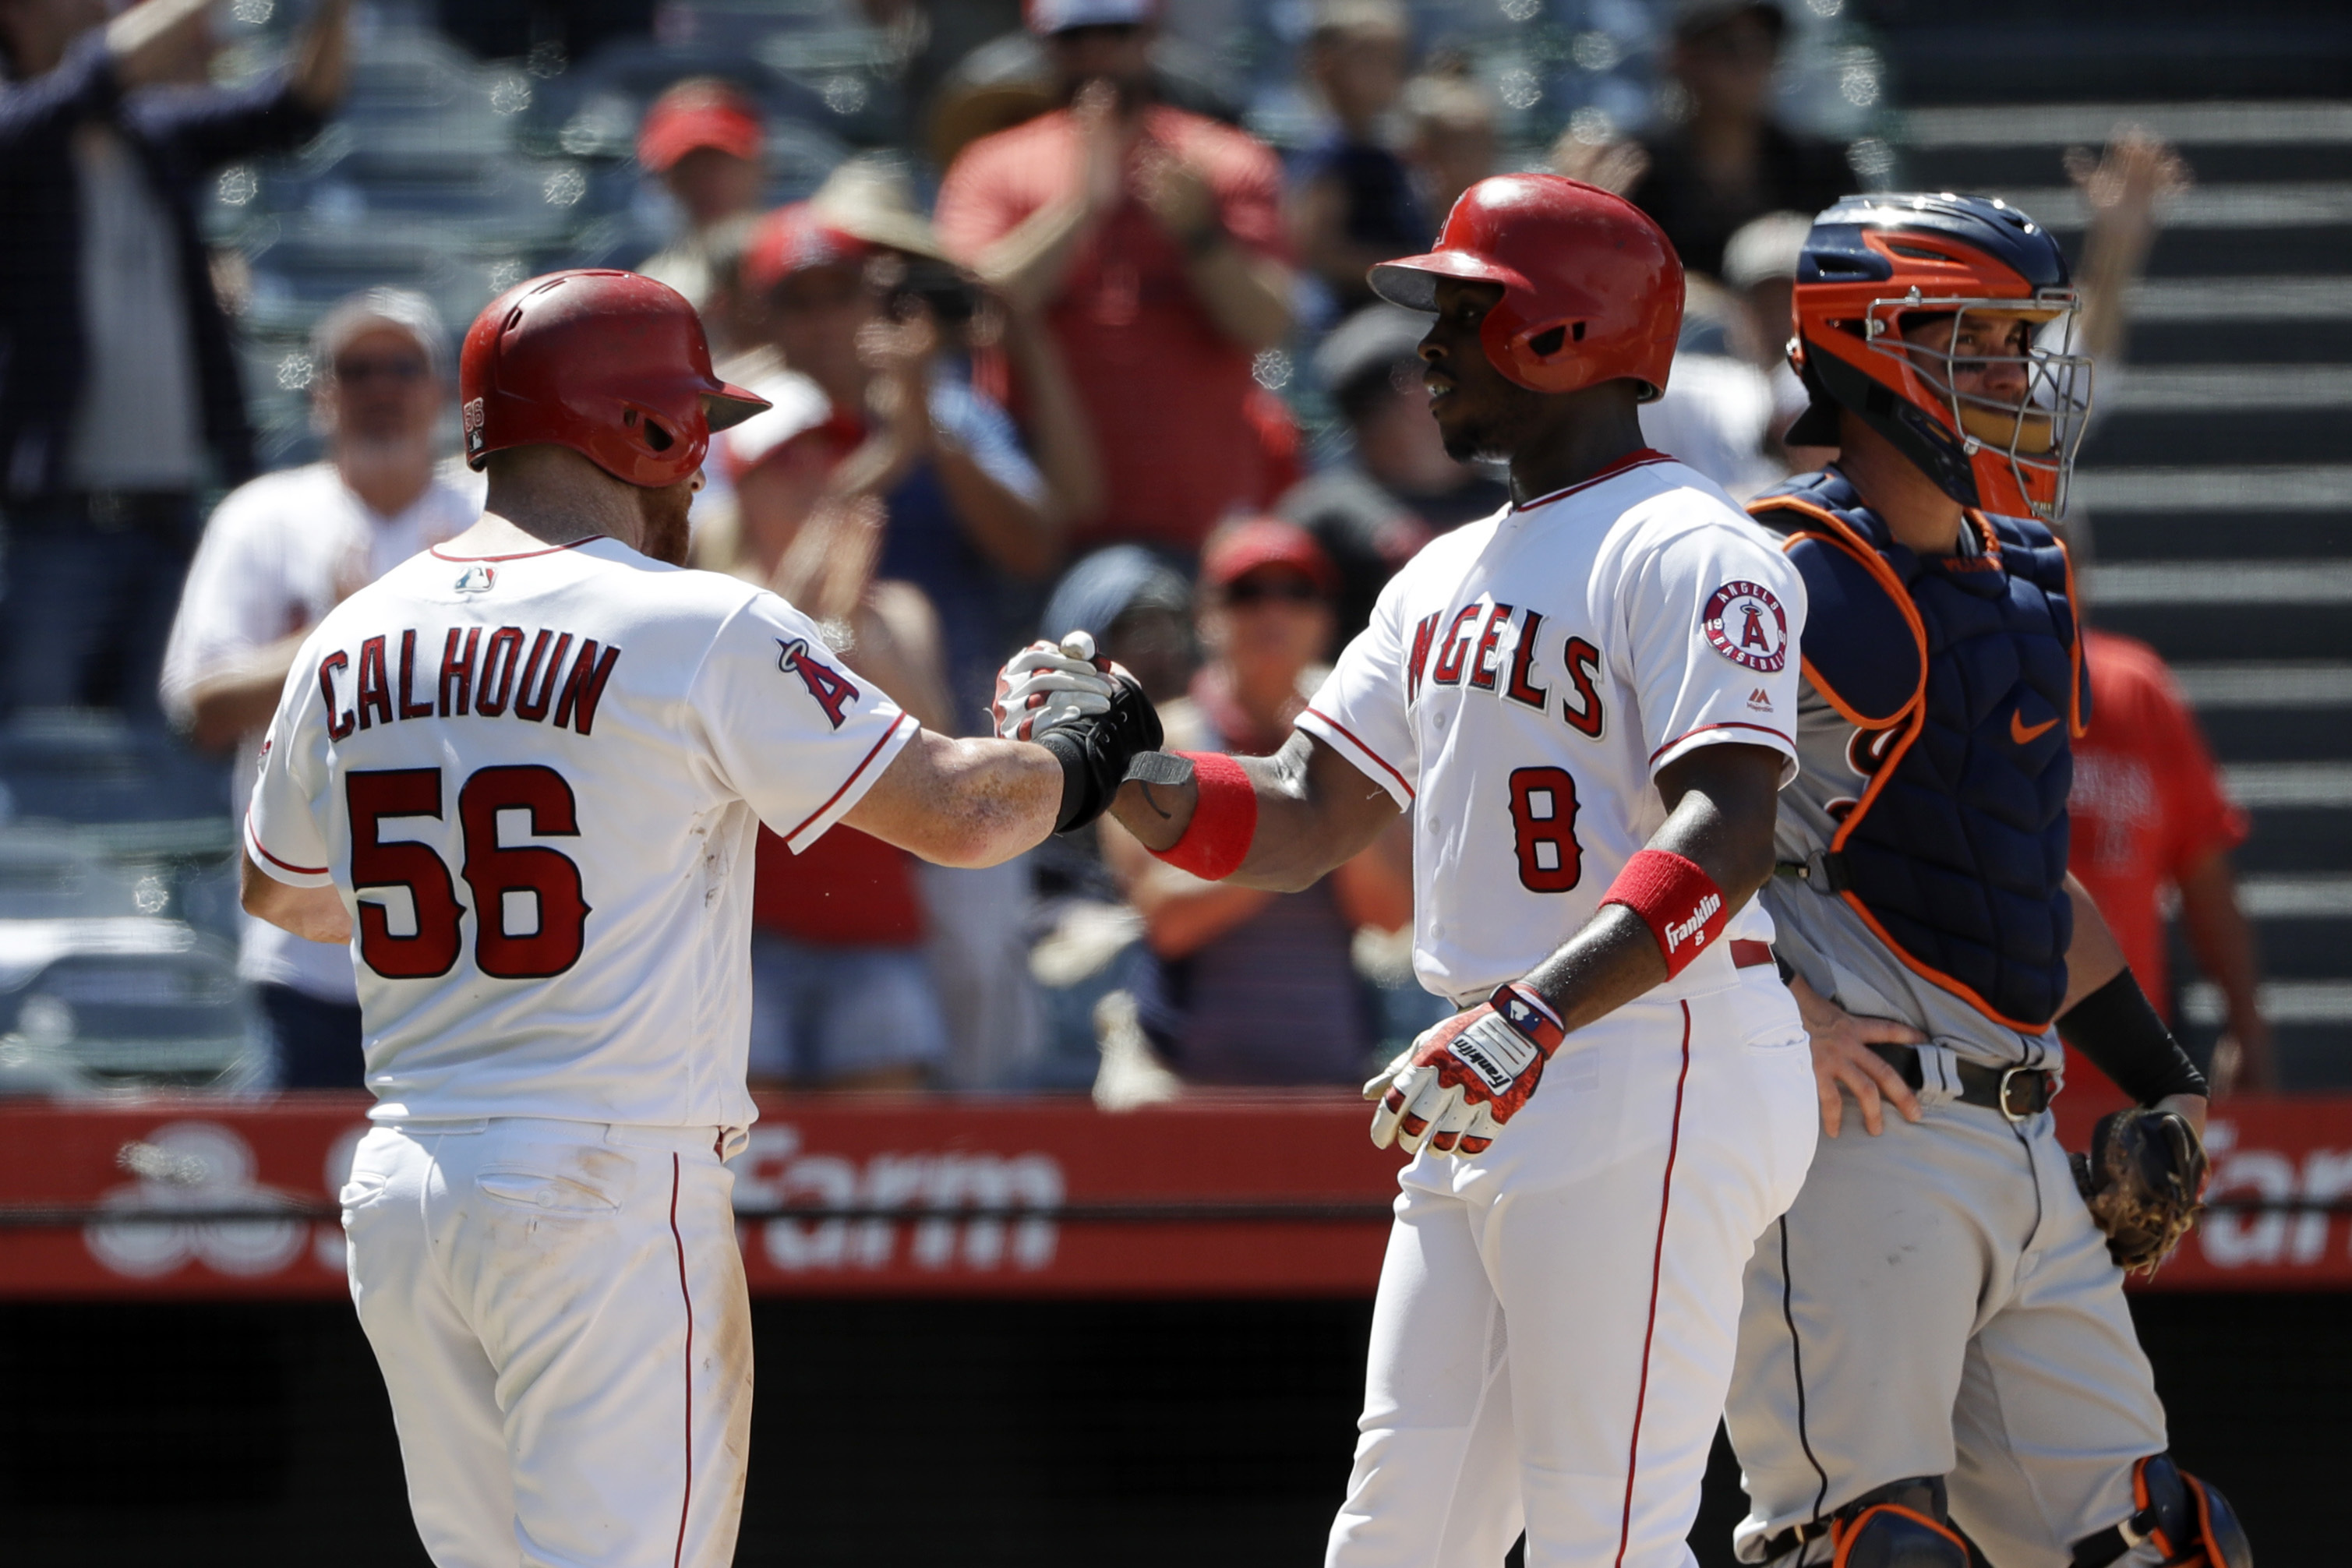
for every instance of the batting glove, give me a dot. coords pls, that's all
(1465, 1080)
(1044, 686)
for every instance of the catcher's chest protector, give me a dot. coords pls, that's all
(1964, 675)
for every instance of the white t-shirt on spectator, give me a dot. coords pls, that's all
(1713, 418)
(279, 554)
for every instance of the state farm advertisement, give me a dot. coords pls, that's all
(907, 1196)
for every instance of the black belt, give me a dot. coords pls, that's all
(2016, 1092)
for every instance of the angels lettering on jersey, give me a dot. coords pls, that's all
(1488, 645)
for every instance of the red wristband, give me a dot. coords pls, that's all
(1224, 818)
(1676, 898)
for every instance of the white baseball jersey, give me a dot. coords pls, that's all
(534, 779)
(1524, 679)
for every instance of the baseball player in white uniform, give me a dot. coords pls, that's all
(1586, 704)
(519, 773)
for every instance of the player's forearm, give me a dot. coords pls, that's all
(1313, 811)
(963, 803)
(2095, 956)
(315, 914)
(1724, 800)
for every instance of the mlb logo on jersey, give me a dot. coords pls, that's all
(476, 578)
(1746, 625)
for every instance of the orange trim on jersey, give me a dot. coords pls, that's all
(2077, 725)
(435, 551)
(1349, 736)
(1640, 458)
(1726, 724)
(1657, 1273)
(852, 779)
(1911, 717)
(255, 839)
(1871, 561)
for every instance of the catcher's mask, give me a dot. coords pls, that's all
(1873, 264)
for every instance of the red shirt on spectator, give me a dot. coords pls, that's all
(1167, 393)
(2147, 804)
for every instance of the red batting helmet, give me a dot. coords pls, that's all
(611, 364)
(1591, 290)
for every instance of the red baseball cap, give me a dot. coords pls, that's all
(1238, 549)
(792, 239)
(701, 113)
(1046, 18)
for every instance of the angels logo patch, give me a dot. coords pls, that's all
(1748, 626)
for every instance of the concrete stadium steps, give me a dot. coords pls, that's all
(2031, 54)
(2216, 486)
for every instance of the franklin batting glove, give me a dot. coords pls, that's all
(1466, 1078)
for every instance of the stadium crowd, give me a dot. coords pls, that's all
(1054, 343)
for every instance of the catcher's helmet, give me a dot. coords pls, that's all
(611, 364)
(1591, 290)
(1873, 260)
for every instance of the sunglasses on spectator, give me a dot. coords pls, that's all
(407, 371)
(1263, 590)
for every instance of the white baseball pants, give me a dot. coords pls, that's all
(1556, 1319)
(560, 1313)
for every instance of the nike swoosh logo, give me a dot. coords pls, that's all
(2024, 733)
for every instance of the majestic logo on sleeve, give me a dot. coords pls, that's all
(833, 693)
(1748, 626)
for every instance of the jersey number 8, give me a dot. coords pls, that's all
(1543, 830)
(550, 877)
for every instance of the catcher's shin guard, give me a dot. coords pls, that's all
(2186, 1521)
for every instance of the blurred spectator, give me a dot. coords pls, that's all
(1227, 958)
(1760, 268)
(1716, 412)
(1451, 143)
(1352, 202)
(568, 29)
(841, 992)
(963, 506)
(1151, 239)
(2125, 187)
(1138, 609)
(1396, 486)
(702, 139)
(2150, 815)
(279, 554)
(119, 388)
(1727, 159)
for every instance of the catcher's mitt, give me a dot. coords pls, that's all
(2144, 1179)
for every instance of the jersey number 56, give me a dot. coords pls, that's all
(528, 874)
